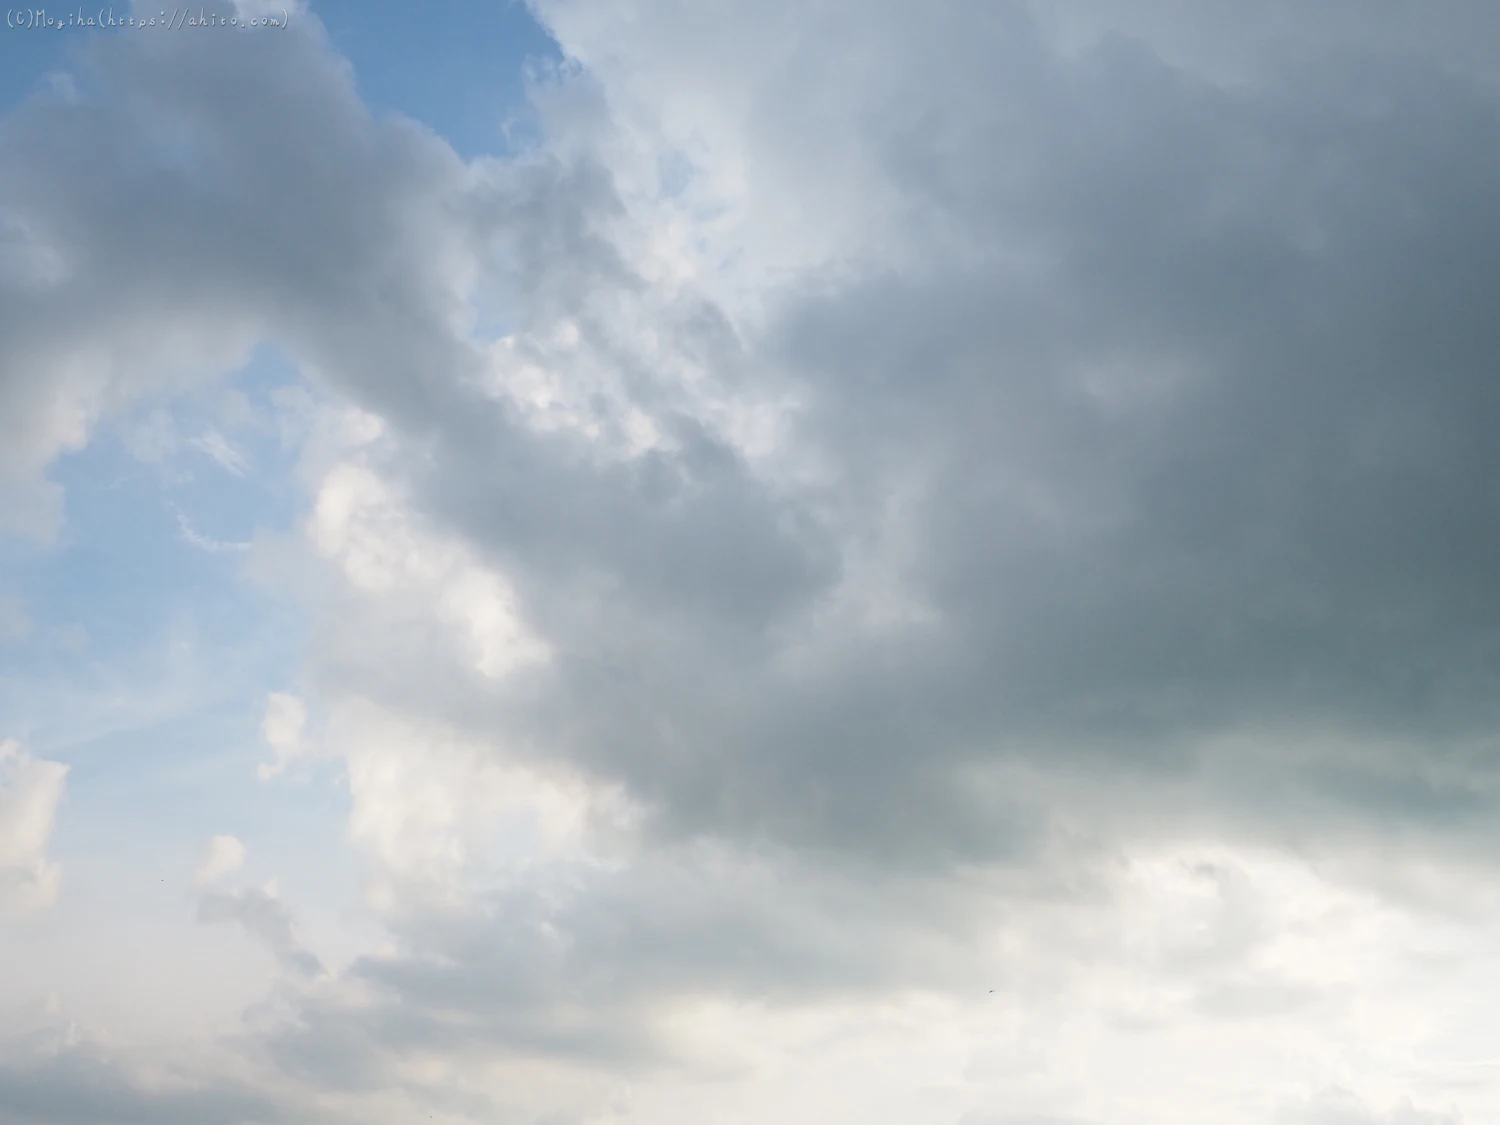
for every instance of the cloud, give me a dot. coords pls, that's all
(225, 854)
(281, 727)
(79, 1086)
(1015, 509)
(226, 456)
(1088, 500)
(1340, 1107)
(115, 289)
(30, 791)
(265, 917)
(203, 542)
(437, 816)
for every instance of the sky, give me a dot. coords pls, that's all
(712, 563)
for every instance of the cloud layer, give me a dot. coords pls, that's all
(30, 792)
(900, 556)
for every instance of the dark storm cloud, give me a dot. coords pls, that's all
(1211, 455)
(1214, 458)
(1274, 506)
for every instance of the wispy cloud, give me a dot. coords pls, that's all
(224, 855)
(217, 447)
(204, 542)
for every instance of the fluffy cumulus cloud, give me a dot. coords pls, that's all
(282, 729)
(902, 563)
(30, 791)
(224, 854)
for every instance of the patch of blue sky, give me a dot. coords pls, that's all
(159, 510)
(475, 99)
(43, 46)
(135, 649)
(146, 653)
(149, 656)
(29, 59)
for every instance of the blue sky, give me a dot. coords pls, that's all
(471, 98)
(150, 653)
(863, 562)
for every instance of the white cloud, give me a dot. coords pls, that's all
(225, 854)
(394, 561)
(226, 456)
(203, 542)
(1340, 1107)
(30, 791)
(281, 727)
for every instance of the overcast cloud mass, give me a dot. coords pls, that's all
(856, 562)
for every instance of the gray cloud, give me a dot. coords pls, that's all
(82, 1085)
(1163, 403)
(1214, 461)
(587, 969)
(266, 918)
(1291, 528)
